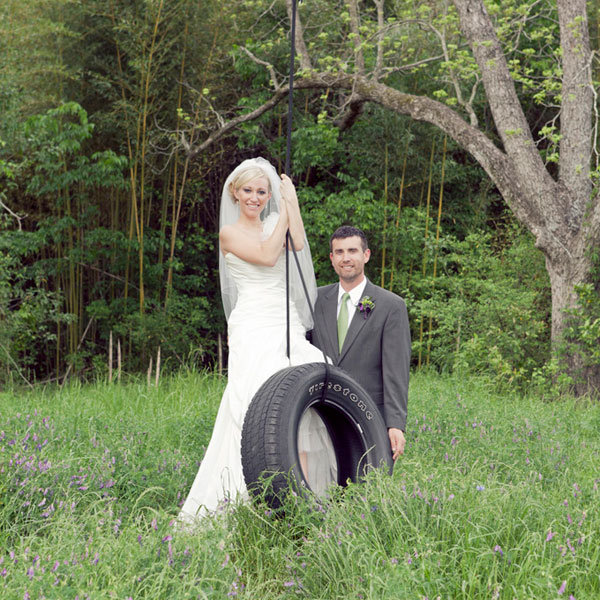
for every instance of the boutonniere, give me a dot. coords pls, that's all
(365, 306)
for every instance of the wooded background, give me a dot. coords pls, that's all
(461, 136)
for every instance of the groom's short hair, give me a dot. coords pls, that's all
(346, 231)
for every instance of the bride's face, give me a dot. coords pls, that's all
(253, 196)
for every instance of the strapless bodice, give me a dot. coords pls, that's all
(250, 278)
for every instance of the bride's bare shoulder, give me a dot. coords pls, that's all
(229, 232)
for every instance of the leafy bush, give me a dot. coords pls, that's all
(487, 312)
(29, 312)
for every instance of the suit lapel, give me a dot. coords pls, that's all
(329, 318)
(358, 321)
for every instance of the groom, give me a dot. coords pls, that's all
(364, 329)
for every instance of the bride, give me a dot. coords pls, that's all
(257, 208)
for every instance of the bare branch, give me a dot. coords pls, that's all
(419, 108)
(355, 27)
(301, 50)
(230, 125)
(380, 39)
(468, 106)
(15, 215)
(122, 279)
(266, 64)
(409, 67)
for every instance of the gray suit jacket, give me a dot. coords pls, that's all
(376, 351)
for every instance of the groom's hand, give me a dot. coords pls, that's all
(397, 441)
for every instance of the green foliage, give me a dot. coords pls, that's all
(487, 311)
(54, 149)
(29, 313)
(136, 78)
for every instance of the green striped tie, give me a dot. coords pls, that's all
(342, 322)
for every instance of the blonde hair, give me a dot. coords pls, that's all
(244, 177)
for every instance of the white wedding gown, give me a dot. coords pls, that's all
(257, 350)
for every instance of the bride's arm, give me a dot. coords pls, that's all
(263, 252)
(290, 199)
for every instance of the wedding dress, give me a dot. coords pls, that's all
(257, 350)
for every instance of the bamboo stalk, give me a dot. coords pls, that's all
(424, 266)
(132, 162)
(149, 373)
(110, 356)
(457, 341)
(144, 139)
(437, 241)
(163, 212)
(385, 202)
(397, 222)
(421, 194)
(177, 210)
(119, 360)
(157, 367)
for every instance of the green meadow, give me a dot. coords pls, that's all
(496, 497)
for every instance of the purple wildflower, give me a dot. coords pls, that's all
(561, 589)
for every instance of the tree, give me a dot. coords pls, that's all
(555, 194)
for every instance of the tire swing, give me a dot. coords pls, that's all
(271, 446)
(314, 399)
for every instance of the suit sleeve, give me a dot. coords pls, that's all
(395, 363)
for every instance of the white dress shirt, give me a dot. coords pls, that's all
(355, 296)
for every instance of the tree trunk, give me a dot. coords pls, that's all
(563, 279)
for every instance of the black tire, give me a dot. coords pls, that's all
(270, 431)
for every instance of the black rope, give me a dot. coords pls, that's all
(288, 158)
(289, 242)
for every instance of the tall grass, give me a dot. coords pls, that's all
(495, 497)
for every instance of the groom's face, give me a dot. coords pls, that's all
(349, 259)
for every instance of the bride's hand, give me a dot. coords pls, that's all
(288, 190)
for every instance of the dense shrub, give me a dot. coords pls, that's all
(487, 311)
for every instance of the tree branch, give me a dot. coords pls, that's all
(380, 39)
(301, 50)
(229, 125)
(507, 112)
(19, 218)
(577, 106)
(356, 39)
(535, 184)
(495, 162)
(468, 106)
(266, 64)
